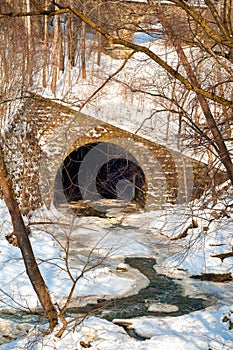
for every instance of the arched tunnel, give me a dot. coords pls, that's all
(100, 170)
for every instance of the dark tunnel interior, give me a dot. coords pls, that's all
(100, 170)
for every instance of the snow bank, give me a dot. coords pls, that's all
(200, 330)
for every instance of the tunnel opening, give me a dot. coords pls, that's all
(98, 171)
(120, 179)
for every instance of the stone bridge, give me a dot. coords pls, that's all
(59, 155)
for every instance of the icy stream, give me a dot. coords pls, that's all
(161, 297)
(140, 244)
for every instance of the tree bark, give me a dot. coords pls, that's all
(29, 45)
(46, 44)
(99, 37)
(21, 233)
(56, 48)
(83, 50)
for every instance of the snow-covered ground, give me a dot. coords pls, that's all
(106, 242)
(201, 330)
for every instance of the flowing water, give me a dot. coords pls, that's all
(161, 290)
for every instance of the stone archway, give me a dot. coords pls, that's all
(100, 170)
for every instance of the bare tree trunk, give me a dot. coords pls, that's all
(20, 231)
(62, 54)
(56, 48)
(99, 36)
(29, 44)
(71, 30)
(83, 51)
(46, 39)
(71, 40)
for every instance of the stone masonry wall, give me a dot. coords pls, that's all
(44, 133)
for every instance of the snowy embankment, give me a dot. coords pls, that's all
(197, 331)
(16, 290)
(132, 100)
(181, 249)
